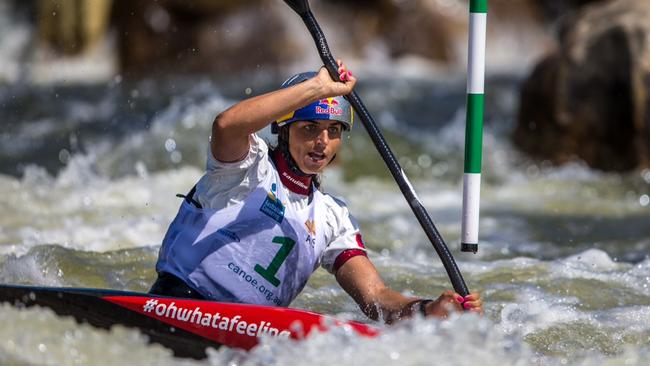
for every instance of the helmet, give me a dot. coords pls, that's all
(334, 108)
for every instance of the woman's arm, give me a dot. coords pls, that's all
(360, 279)
(231, 128)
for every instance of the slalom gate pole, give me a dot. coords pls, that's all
(474, 125)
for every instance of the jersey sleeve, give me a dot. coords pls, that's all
(224, 182)
(346, 240)
(256, 151)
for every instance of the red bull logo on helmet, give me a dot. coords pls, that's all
(329, 106)
(329, 101)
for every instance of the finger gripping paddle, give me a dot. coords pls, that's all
(301, 7)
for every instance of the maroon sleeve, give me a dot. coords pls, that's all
(347, 255)
(350, 253)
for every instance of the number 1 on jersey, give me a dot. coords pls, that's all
(269, 272)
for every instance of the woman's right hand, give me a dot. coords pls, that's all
(331, 88)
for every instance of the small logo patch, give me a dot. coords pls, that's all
(311, 227)
(272, 207)
(229, 234)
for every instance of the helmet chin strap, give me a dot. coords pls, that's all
(283, 145)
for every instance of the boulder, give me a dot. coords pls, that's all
(190, 36)
(589, 99)
(72, 26)
(235, 36)
(554, 9)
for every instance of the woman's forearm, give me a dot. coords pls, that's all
(232, 128)
(390, 306)
(253, 114)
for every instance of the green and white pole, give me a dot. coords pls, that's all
(474, 125)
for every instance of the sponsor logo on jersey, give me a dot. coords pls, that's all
(295, 181)
(272, 206)
(229, 234)
(311, 227)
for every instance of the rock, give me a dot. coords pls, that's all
(554, 9)
(408, 30)
(590, 98)
(189, 36)
(237, 37)
(72, 26)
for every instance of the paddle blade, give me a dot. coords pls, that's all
(299, 6)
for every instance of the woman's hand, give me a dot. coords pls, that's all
(450, 302)
(473, 303)
(331, 88)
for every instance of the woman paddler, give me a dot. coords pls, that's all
(256, 225)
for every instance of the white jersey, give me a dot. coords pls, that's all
(227, 184)
(260, 248)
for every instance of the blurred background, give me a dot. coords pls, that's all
(105, 114)
(581, 66)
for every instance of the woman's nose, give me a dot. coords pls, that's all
(323, 136)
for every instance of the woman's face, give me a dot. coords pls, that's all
(313, 144)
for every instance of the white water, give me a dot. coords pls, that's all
(547, 300)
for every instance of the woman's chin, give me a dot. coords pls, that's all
(313, 167)
(312, 171)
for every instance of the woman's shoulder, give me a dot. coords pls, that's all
(340, 223)
(258, 151)
(332, 200)
(335, 206)
(225, 182)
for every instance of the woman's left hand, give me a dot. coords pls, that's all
(450, 302)
(473, 303)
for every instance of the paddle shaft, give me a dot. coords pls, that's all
(389, 158)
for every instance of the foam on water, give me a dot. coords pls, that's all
(39, 337)
(416, 342)
(535, 310)
(80, 210)
(115, 195)
(54, 265)
(459, 341)
(46, 338)
(595, 264)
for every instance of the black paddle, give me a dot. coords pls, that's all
(301, 7)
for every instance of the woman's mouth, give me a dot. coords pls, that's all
(316, 157)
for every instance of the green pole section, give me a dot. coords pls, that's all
(478, 6)
(474, 133)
